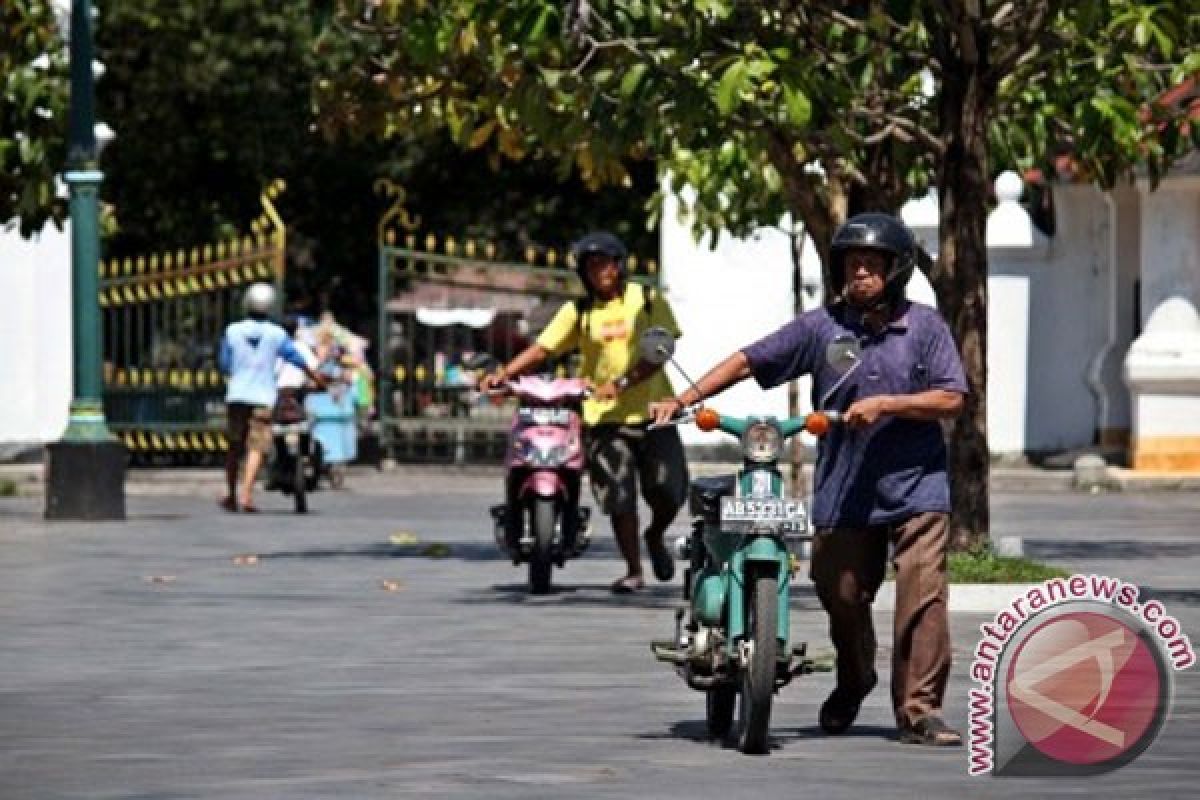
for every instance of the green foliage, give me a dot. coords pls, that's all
(212, 102)
(209, 102)
(741, 101)
(984, 566)
(33, 112)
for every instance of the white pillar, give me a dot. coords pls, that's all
(35, 355)
(1015, 247)
(1163, 373)
(1163, 365)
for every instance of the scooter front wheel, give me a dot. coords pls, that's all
(758, 676)
(541, 557)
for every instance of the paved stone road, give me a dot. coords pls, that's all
(140, 661)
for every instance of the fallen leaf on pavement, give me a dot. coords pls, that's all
(390, 586)
(402, 538)
(246, 559)
(436, 550)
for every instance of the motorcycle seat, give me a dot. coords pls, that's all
(704, 495)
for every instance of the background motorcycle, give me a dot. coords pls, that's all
(296, 459)
(541, 521)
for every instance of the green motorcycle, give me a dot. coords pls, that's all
(733, 635)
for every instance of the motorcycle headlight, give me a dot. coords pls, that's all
(762, 442)
(554, 456)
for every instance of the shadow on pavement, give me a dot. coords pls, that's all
(696, 730)
(665, 596)
(432, 550)
(1172, 597)
(1109, 549)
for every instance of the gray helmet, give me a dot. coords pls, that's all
(259, 299)
(874, 231)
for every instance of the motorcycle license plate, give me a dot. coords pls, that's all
(545, 416)
(762, 515)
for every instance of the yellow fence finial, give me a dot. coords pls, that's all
(396, 212)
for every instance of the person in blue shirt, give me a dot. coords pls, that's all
(881, 477)
(249, 351)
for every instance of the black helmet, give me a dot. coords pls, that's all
(875, 231)
(598, 243)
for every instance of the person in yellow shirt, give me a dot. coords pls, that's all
(622, 452)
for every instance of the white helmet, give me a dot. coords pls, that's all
(259, 299)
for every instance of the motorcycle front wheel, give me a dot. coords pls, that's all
(541, 557)
(299, 484)
(758, 676)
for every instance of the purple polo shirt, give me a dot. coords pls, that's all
(897, 467)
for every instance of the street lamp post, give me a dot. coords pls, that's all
(85, 471)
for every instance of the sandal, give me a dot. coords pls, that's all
(660, 557)
(931, 731)
(840, 709)
(628, 585)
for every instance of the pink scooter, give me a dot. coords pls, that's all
(541, 521)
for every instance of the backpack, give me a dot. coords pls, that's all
(583, 305)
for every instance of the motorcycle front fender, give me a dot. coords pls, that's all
(757, 554)
(543, 483)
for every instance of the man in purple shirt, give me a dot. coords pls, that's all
(881, 476)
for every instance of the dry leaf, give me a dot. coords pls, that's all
(390, 586)
(403, 538)
(246, 559)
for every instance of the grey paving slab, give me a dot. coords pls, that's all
(140, 661)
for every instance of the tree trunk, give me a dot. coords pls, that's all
(960, 279)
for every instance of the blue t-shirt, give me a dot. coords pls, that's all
(248, 353)
(895, 468)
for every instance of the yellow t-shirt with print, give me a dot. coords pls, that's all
(607, 339)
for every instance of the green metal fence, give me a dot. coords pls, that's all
(162, 320)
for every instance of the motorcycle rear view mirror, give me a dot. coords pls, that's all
(844, 354)
(657, 345)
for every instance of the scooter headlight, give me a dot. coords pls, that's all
(762, 442)
(554, 456)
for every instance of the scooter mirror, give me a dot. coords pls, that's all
(657, 345)
(843, 353)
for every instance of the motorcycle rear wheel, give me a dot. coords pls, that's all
(541, 557)
(758, 677)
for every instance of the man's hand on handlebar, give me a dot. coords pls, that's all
(494, 381)
(866, 412)
(663, 411)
